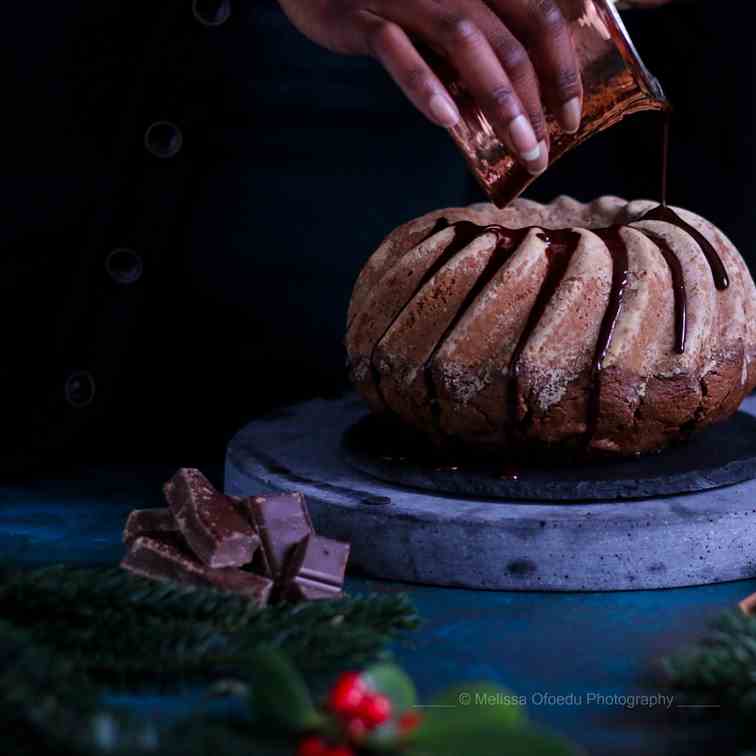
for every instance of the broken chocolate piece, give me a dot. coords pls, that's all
(316, 569)
(214, 530)
(282, 521)
(148, 522)
(168, 559)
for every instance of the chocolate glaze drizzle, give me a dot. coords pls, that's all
(620, 271)
(560, 248)
(464, 233)
(678, 286)
(508, 241)
(718, 271)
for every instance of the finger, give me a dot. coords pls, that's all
(516, 62)
(389, 44)
(466, 47)
(542, 24)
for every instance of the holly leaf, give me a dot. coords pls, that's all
(280, 695)
(392, 682)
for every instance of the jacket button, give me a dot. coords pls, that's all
(163, 139)
(80, 389)
(124, 266)
(211, 12)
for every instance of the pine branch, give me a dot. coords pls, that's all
(47, 704)
(67, 633)
(115, 625)
(722, 664)
(62, 590)
(211, 738)
(721, 669)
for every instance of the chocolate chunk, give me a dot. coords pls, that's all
(148, 522)
(282, 521)
(316, 569)
(168, 559)
(214, 530)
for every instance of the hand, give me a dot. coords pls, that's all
(511, 54)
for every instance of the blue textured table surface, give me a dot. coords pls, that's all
(590, 648)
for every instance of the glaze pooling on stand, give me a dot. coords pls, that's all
(561, 246)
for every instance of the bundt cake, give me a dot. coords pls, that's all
(612, 326)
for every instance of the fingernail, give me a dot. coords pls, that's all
(524, 139)
(534, 154)
(540, 162)
(444, 111)
(571, 115)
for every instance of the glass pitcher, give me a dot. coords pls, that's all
(616, 83)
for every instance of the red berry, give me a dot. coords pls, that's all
(347, 694)
(339, 750)
(313, 746)
(356, 730)
(409, 721)
(374, 710)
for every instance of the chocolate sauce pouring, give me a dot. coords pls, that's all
(664, 213)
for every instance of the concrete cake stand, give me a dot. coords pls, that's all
(631, 527)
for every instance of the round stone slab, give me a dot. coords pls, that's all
(720, 455)
(440, 539)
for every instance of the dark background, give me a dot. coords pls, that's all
(294, 164)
